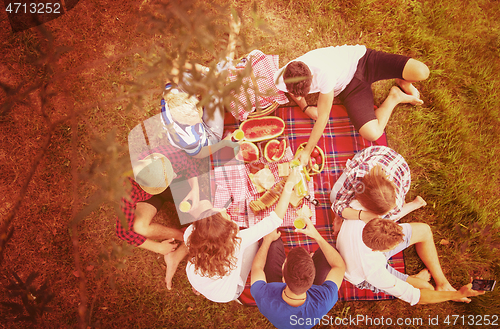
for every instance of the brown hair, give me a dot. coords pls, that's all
(299, 270)
(212, 244)
(382, 234)
(297, 69)
(376, 192)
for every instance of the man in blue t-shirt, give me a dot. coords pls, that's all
(301, 288)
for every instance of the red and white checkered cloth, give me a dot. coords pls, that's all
(233, 181)
(263, 67)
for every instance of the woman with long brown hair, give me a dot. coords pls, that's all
(220, 254)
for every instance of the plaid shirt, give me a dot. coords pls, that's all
(183, 165)
(394, 166)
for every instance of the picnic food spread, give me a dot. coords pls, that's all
(262, 177)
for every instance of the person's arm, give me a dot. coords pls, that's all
(365, 216)
(274, 220)
(324, 107)
(163, 247)
(284, 200)
(210, 149)
(332, 256)
(407, 208)
(259, 261)
(301, 101)
(194, 194)
(428, 296)
(344, 196)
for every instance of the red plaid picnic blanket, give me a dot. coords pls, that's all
(340, 142)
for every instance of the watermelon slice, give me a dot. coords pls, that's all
(270, 149)
(280, 151)
(260, 129)
(249, 152)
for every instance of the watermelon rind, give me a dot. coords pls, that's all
(246, 154)
(280, 152)
(270, 149)
(263, 128)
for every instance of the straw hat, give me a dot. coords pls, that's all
(154, 173)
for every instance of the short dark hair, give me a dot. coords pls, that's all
(299, 270)
(298, 69)
(382, 234)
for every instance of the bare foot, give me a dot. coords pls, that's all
(421, 280)
(420, 202)
(424, 275)
(408, 88)
(401, 97)
(172, 260)
(448, 287)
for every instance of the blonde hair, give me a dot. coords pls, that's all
(376, 192)
(184, 109)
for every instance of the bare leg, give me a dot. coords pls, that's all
(172, 260)
(424, 243)
(372, 130)
(408, 88)
(421, 280)
(418, 202)
(160, 232)
(413, 71)
(144, 214)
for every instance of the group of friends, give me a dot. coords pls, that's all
(367, 200)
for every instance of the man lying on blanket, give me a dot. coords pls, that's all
(296, 291)
(367, 245)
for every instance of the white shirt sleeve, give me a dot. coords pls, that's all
(384, 280)
(264, 227)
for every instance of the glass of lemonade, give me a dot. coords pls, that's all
(299, 223)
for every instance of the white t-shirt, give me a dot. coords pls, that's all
(332, 68)
(364, 264)
(224, 289)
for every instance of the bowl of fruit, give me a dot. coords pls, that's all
(317, 160)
